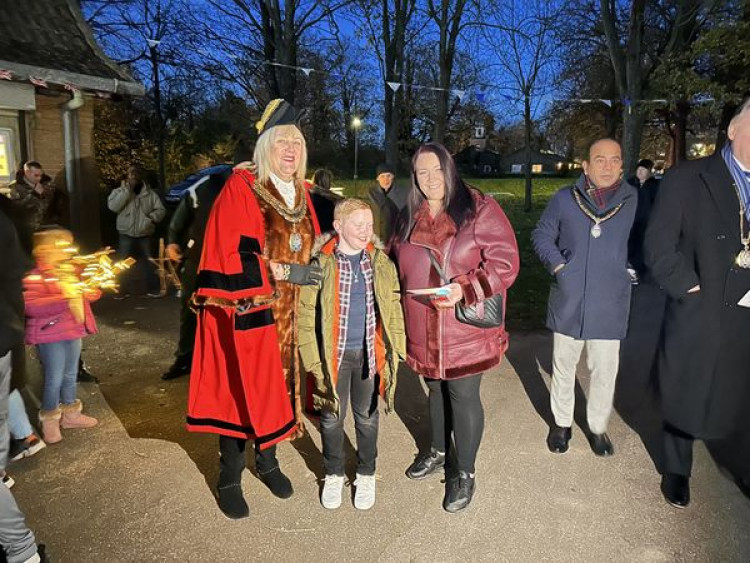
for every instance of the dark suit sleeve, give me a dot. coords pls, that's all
(180, 223)
(664, 235)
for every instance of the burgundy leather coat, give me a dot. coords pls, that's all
(483, 258)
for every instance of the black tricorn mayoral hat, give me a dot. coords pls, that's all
(278, 112)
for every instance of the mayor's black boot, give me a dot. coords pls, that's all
(269, 472)
(231, 465)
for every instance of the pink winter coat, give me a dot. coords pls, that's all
(48, 315)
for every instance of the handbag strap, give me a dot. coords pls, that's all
(437, 267)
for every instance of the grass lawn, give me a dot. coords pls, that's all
(527, 300)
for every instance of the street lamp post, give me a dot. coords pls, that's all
(356, 124)
(153, 45)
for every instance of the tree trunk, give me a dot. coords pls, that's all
(527, 167)
(679, 145)
(632, 128)
(391, 127)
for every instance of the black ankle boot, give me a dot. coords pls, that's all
(231, 466)
(278, 483)
(459, 491)
(231, 501)
(426, 464)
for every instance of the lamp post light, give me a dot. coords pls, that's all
(356, 124)
(153, 45)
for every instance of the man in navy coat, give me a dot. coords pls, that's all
(582, 239)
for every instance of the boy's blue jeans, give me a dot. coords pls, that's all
(60, 362)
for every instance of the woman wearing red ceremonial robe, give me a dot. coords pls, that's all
(245, 378)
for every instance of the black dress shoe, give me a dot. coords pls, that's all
(232, 503)
(601, 444)
(179, 368)
(676, 489)
(558, 438)
(426, 464)
(278, 483)
(459, 491)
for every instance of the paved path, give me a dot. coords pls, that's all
(138, 487)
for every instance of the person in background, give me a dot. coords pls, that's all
(57, 318)
(388, 199)
(185, 244)
(323, 199)
(139, 209)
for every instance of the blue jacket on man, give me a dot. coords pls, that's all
(590, 297)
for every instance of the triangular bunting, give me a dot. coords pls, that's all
(607, 103)
(394, 85)
(307, 71)
(459, 94)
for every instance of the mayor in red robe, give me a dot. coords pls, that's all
(245, 380)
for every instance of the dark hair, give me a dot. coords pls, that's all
(323, 179)
(645, 163)
(32, 164)
(458, 202)
(595, 141)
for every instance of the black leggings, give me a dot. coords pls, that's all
(460, 399)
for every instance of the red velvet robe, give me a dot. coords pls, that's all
(241, 383)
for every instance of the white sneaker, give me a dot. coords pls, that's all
(332, 489)
(364, 492)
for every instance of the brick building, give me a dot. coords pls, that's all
(52, 74)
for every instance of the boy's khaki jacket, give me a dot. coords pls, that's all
(319, 324)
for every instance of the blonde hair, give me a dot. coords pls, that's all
(347, 206)
(262, 154)
(43, 240)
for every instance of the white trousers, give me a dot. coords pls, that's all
(602, 361)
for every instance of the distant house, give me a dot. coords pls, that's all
(541, 163)
(52, 74)
(474, 161)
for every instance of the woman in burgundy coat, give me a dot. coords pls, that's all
(468, 234)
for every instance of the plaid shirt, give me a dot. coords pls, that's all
(345, 288)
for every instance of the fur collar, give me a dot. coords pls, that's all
(325, 243)
(431, 232)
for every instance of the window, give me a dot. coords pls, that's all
(7, 164)
(536, 168)
(516, 168)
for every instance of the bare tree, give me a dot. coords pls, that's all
(635, 54)
(388, 32)
(521, 35)
(448, 17)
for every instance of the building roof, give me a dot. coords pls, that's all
(537, 157)
(50, 40)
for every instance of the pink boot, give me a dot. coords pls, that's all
(73, 418)
(50, 421)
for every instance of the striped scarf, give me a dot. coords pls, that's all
(741, 177)
(345, 288)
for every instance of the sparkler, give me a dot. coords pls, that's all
(81, 273)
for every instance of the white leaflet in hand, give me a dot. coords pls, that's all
(745, 301)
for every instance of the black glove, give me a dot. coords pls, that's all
(304, 275)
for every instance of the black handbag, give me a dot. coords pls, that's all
(488, 313)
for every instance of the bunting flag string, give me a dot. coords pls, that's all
(38, 81)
